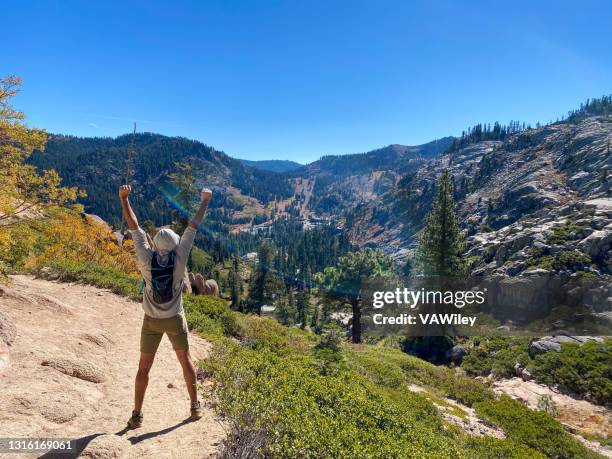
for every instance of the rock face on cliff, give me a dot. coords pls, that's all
(537, 210)
(555, 257)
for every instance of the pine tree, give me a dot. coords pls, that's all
(285, 311)
(442, 242)
(346, 282)
(314, 320)
(303, 300)
(235, 282)
(264, 284)
(439, 255)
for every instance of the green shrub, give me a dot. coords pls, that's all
(581, 369)
(548, 405)
(495, 354)
(281, 407)
(98, 275)
(546, 262)
(536, 428)
(392, 368)
(328, 353)
(566, 259)
(561, 233)
(210, 315)
(379, 370)
(572, 259)
(493, 448)
(260, 333)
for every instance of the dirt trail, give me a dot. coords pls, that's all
(70, 368)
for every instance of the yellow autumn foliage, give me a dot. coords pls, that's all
(64, 234)
(24, 191)
(75, 236)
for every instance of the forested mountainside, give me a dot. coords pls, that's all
(246, 195)
(394, 156)
(99, 165)
(273, 165)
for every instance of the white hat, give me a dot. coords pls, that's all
(165, 241)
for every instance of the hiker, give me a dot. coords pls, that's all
(162, 266)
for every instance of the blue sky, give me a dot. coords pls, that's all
(300, 79)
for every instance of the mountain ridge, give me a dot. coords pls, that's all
(98, 166)
(272, 165)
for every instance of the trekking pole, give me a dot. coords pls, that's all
(128, 173)
(130, 156)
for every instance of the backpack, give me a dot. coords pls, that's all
(161, 278)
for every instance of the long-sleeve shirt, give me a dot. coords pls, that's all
(144, 254)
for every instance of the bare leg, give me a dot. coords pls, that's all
(189, 373)
(142, 379)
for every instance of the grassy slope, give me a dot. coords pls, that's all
(287, 393)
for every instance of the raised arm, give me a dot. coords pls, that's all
(205, 197)
(128, 213)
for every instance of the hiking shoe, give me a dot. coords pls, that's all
(135, 421)
(196, 411)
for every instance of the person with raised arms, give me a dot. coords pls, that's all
(162, 266)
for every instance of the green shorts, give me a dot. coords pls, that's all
(153, 330)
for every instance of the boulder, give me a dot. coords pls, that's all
(106, 446)
(597, 244)
(76, 368)
(579, 179)
(553, 343)
(544, 345)
(47, 273)
(520, 297)
(118, 237)
(601, 204)
(456, 354)
(206, 287)
(522, 190)
(525, 374)
(91, 218)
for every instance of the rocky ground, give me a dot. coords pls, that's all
(578, 416)
(68, 357)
